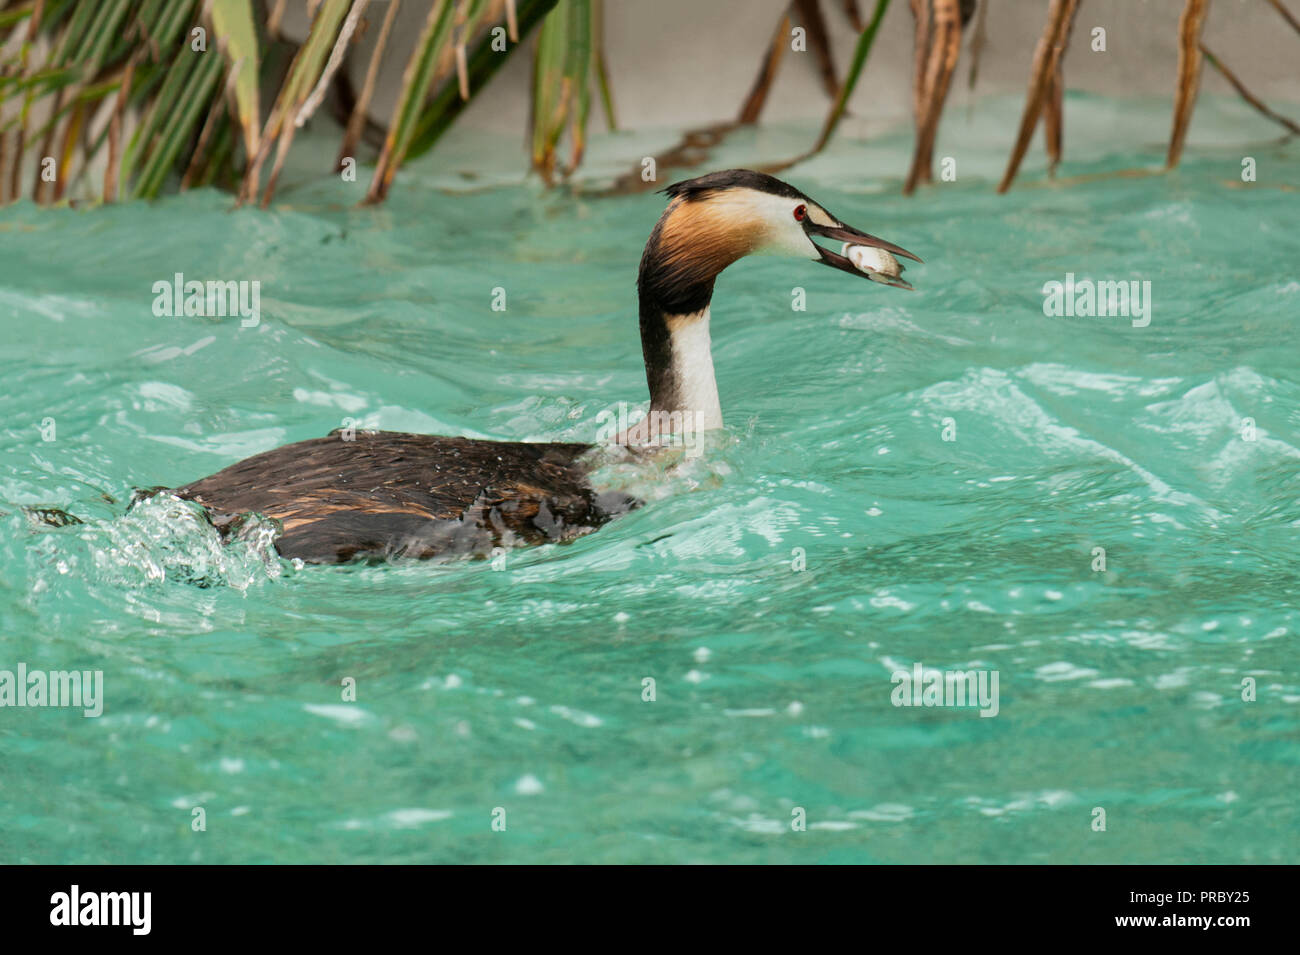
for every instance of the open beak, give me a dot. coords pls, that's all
(851, 236)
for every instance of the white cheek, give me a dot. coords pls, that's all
(791, 240)
(782, 233)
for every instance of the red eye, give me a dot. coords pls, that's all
(799, 213)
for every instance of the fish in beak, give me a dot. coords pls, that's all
(861, 253)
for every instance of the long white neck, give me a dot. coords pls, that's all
(683, 392)
(686, 251)
(691, 386)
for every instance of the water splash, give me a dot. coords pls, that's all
(160, 539)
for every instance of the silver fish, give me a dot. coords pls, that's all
(876, 264)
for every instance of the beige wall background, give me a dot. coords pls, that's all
(682, 62)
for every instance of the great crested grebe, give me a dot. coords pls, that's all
(381, 494)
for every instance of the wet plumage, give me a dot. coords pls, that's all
(384, 494)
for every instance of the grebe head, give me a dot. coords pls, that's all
(716, 219)
(711, 222)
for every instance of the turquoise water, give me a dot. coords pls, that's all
(520, 686)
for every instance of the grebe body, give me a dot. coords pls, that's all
(376, 495)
